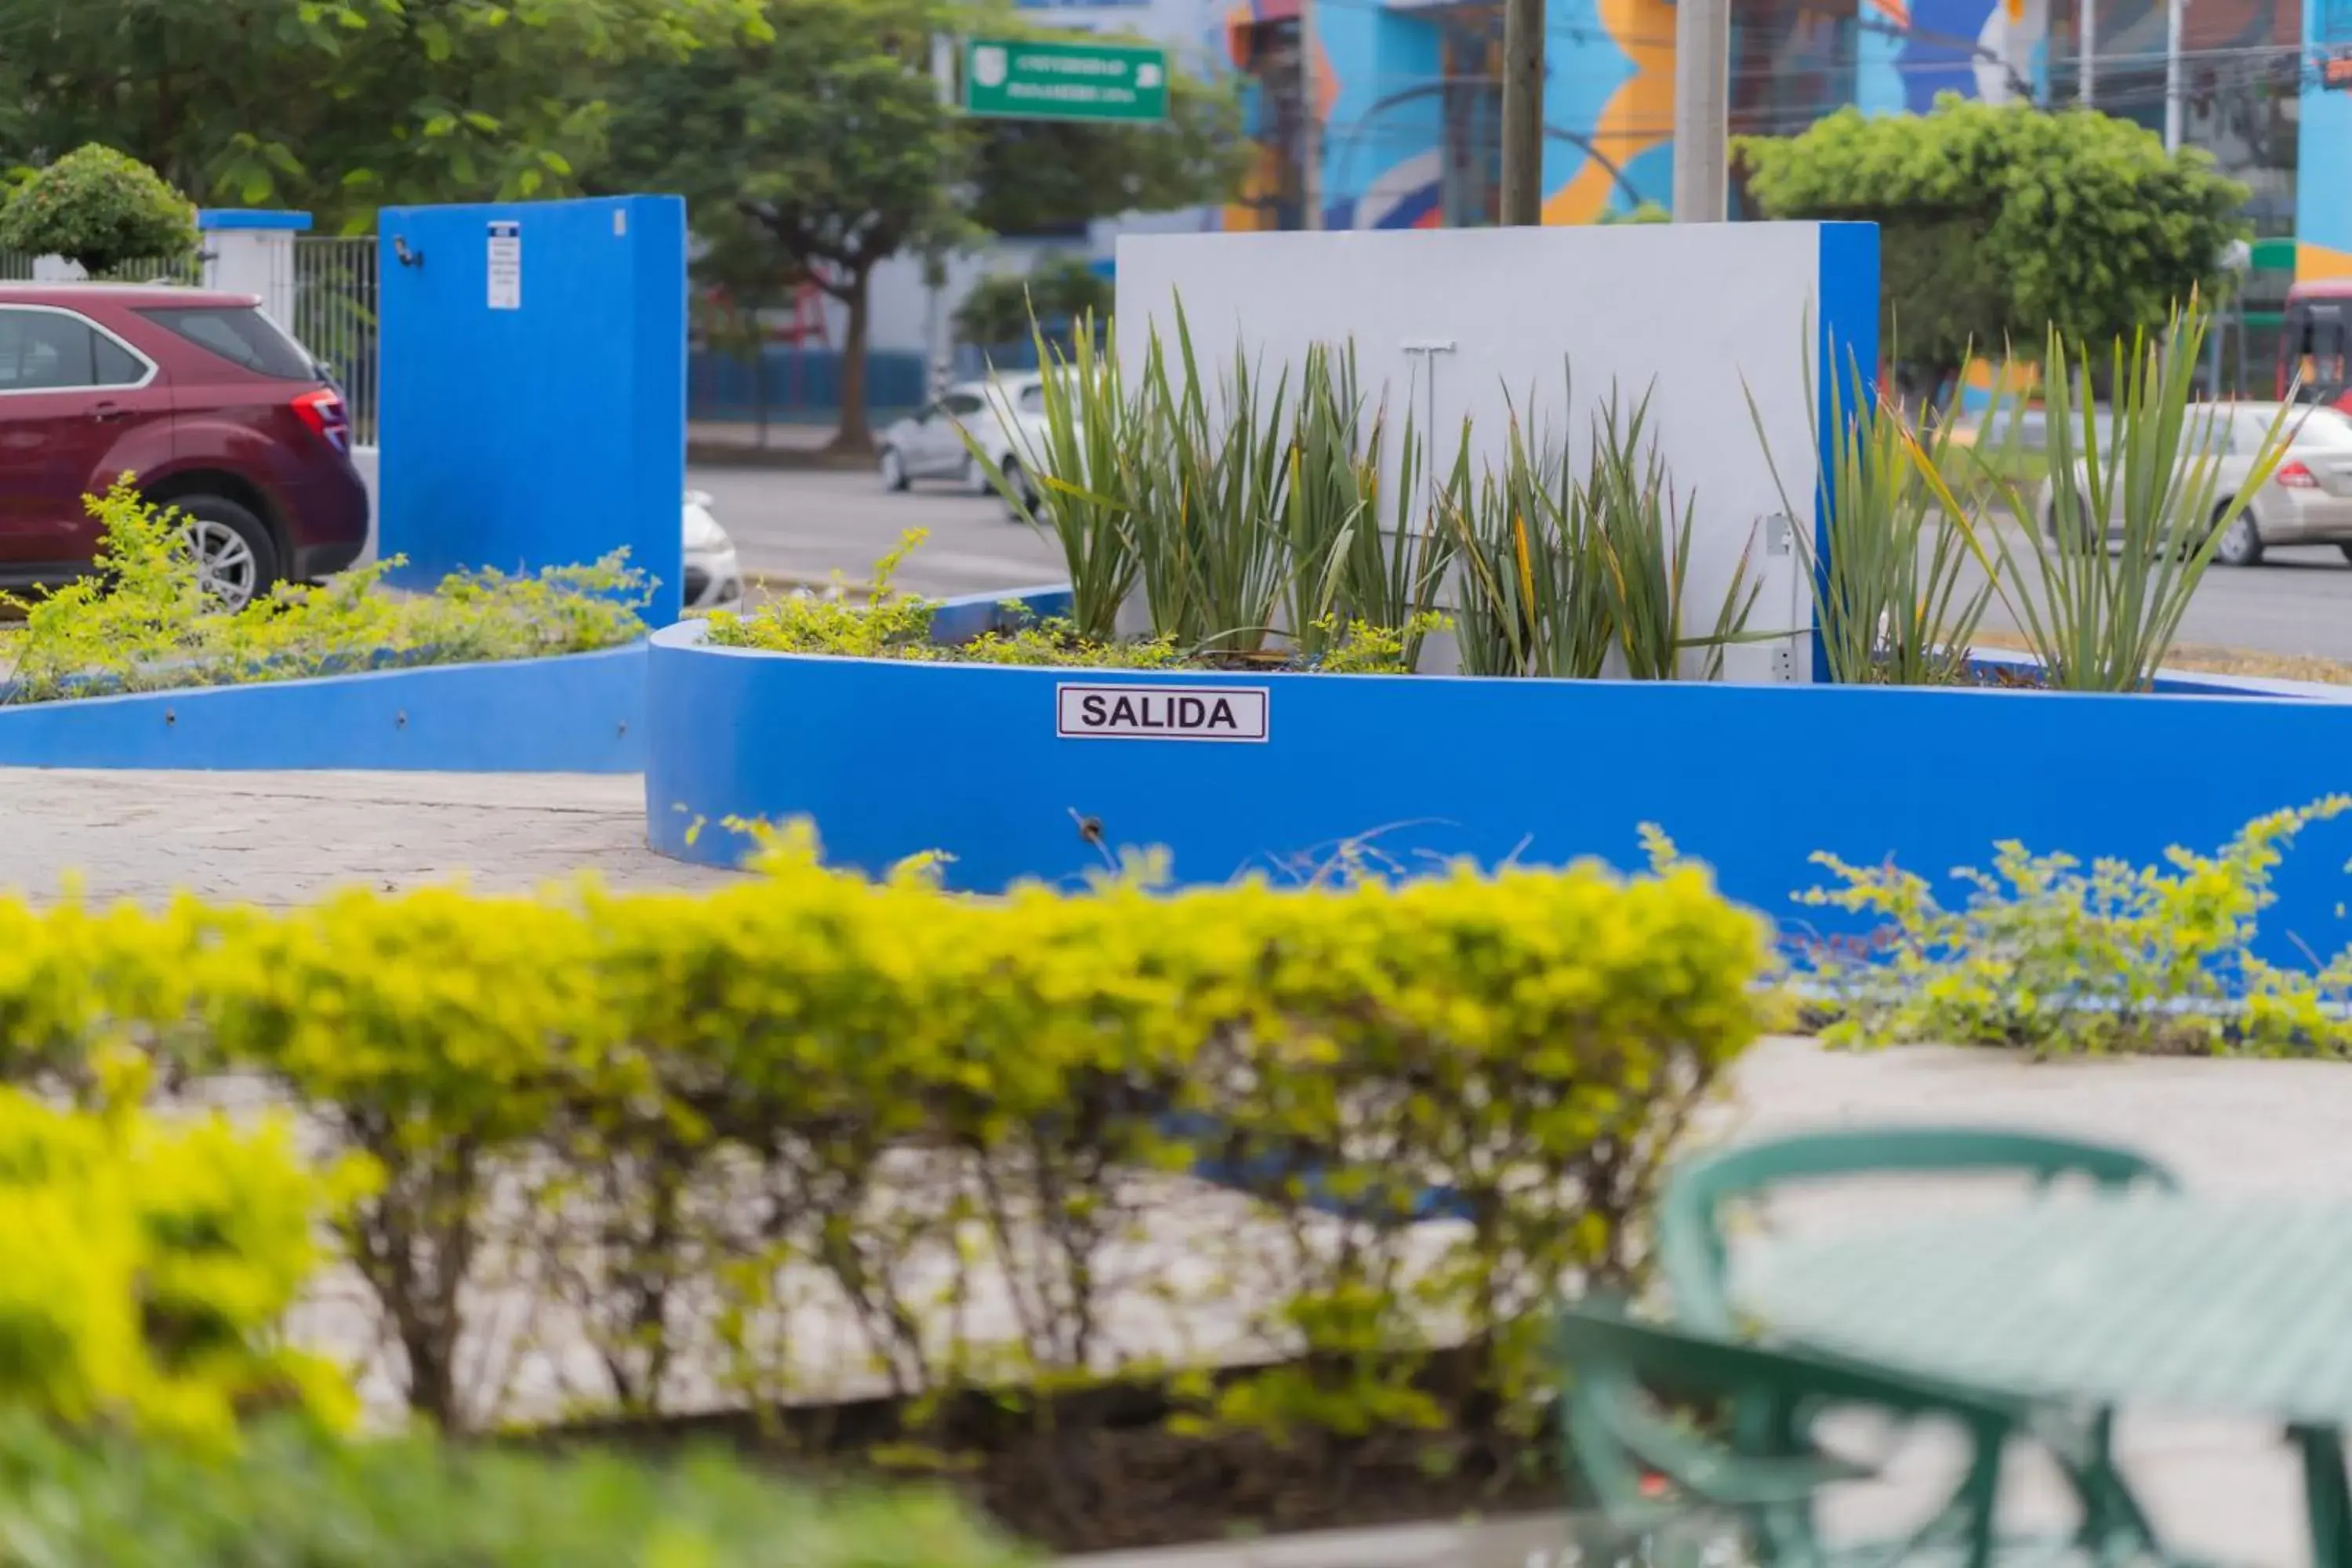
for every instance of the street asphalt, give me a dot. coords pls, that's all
(810, 523)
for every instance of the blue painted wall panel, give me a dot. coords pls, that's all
(579, 714)
(893, 759)
(1845, 367)
(546, 434)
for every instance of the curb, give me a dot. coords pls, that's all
(1520, 1540)
(792, 583)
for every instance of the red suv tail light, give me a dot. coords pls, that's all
(2296, 476)
(322, 410)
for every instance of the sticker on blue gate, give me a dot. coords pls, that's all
(506, 266)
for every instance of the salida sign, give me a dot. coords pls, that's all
(1159, 713)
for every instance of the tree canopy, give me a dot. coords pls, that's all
(822, 142)
(2000, 222)
(807, 135)
(336, 106)
(101, 208)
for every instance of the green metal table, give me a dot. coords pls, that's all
(2222, 1307)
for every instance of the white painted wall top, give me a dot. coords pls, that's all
(1688, 313)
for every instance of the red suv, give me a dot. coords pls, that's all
(197, 395)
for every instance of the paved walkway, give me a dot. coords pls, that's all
(284, 838)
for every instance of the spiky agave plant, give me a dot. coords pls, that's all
(2126, 512)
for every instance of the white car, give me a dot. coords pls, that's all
(2307, 498)
(1005, 419)
(714, 580)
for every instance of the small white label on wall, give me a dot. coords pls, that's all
(506, 266)
(1161, 712)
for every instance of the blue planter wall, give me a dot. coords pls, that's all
(891, 759)
(583, 713)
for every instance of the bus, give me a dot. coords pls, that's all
(2315, 342)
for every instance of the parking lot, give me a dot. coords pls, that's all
(808, 524)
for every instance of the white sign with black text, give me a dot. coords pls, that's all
(1159, 713)
(506, 266)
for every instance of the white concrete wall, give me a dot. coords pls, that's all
(257, 261)
(1535, 318)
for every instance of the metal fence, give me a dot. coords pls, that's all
(18, 268)
(335, 318)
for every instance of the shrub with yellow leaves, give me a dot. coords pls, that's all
(145, 1268)
(964, 1134)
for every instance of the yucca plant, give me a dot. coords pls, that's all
(1639, 532)
(1326, 493)
(1090, 463)
(1533, 599)
(1892, 601)
(1209, 539)
(1350, 561)
(2128, 516)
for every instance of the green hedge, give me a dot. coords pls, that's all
(685, 1128)
(289, 1501)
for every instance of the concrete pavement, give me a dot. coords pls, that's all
(283, 838)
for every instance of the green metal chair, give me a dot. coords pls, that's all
(1694, 1257)
(1765, 1478)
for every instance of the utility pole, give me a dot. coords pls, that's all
(1702, 110)
(1523, 112)
(937, 341)
(2086, 90)
(1310, 128)
(2175, 106)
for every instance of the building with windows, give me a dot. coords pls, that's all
(1408, 100)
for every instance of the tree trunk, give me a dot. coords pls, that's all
(760, 378)
(856, 433)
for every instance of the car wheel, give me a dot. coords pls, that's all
(2241, 543)
(894, 470)
(2345, 549)
(237, 561)
(1023, 507)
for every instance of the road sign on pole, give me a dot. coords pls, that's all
(1019, 79)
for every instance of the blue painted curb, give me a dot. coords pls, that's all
(579, 714)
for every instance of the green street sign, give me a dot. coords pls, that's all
(1017, 78)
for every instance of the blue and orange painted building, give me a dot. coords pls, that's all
(1409, 108)
(1409, 105)
(2323, 190)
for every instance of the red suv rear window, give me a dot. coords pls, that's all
(241, 335)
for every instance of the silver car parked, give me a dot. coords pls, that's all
(2307, 500)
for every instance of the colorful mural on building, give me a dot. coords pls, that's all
(1409, 106)
(1910, 51)
(2323, 218)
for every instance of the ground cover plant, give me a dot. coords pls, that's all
(142, 621)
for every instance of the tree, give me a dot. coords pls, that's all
(1043, 176)
(824, 138)
(2000, 222)
(828, 140)
(1051, 297)
(335, 106)
(101, 208)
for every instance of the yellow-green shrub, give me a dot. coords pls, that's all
(2055, 957)
(689, 1120)
(145, 1267)
(146, 624)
